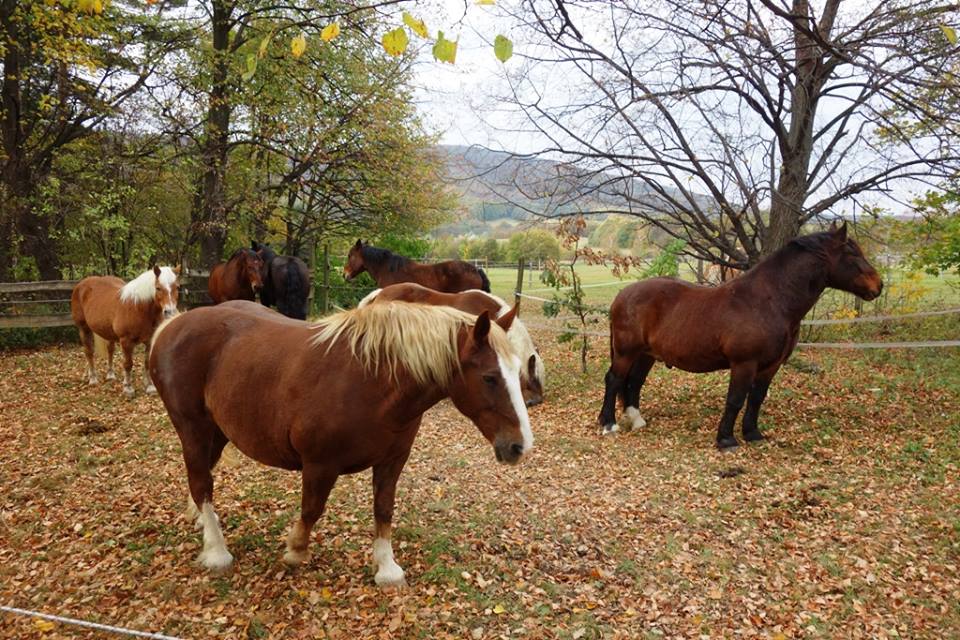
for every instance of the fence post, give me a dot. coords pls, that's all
(519, 289)
(325, 299)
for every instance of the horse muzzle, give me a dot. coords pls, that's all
(169, 312)
(508, 452)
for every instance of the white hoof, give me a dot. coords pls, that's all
(150, 390)
(111, 375)
(215, 560)
(129, 392)
(294, 558)
(92, 380)
(390, 577)
(609, 429)
(636, 421)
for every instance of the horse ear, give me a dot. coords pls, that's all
(156, 271)
(506, 320)
(255, 245)
(176, 269)
(841, 232)
(532, 366)
(481, 329)
(359, 244)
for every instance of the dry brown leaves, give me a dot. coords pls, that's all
(844, 524)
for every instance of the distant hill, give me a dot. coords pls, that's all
(497, 186)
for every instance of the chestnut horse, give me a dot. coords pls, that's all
(286, 282)
(748, 325)
(330, 398)
(475, 302)
(239, 278)
(386, 267)
(106, 307)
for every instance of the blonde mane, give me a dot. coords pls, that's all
(420, 338)
(143, 287)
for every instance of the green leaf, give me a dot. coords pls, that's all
(445, 50)
(251, 67)
(950, 33)
(264, 44)
(502, 48)
(395, 42)
(416, 25)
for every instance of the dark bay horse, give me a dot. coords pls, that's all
(748, 325)
(286, 282)
(386, 268)
(336, 397)
(475, 301)
(105, 307)
(239, 278)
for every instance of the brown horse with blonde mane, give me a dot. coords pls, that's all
(475, 301)
(239, 278)
(105, 307)
(332, 398)
(386, 268)
(748, 325)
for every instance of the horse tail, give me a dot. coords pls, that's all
(484, 280)
(99, 346)
(293, 302)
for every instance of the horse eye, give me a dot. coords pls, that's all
(491, 381)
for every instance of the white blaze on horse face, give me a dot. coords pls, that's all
(511, 377)
(389, 573)
(214, 555)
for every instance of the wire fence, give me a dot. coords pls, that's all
(86, 623)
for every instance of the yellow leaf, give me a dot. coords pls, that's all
(330, 32)
(262, 51)
(395, 42)
(416, 25)
(44, 625)
(298, 45)
(950, 33)
(445, 50)
(485, 2)
(97, 6)
(326, 593)
(498, 609)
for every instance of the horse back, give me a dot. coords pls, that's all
(93, 303)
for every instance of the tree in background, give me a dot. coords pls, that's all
(535, 244)
(936, 240)
(729, 124)
(68, 68)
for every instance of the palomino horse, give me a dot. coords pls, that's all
(476, 302)
(748, 325)
(330, 398)
(128, 313)
(286, 282)
(387, 268)
(239, 278)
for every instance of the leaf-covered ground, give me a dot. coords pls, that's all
(845, 523)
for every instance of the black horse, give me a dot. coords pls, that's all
(286, 282)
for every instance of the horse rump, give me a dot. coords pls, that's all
(484, 280)
(292, 296)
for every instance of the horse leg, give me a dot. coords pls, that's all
(631, 390)
(385, 476)
(111, 347)
(741, 381)
(86, 337)
(147, 382)
(216, 448)
(758, 393)
(317, 484)
(127, 346)
(614, 381)
(202, 442)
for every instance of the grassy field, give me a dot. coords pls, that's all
(845, 523)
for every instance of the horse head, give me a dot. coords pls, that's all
(487, 390)
(354, 265)
(252, 266)
(532, 383)
(167, 289)
(848, 268)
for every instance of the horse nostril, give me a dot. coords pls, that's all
(516, 449)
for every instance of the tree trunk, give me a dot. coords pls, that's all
(18, 177)
(210, 215)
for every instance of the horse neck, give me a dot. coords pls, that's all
(240, 276)
(796, 279)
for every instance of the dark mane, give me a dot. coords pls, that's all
(815, 243)
(375, 255)
(239, 252)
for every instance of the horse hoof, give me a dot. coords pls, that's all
(92, 381)
(632, 419)
(111, 375)
(294, 558)
(151, 390)
(753, 436)
(128, 391)
(609, 429)
(727, 444)
(216, 561)
(385, 580)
